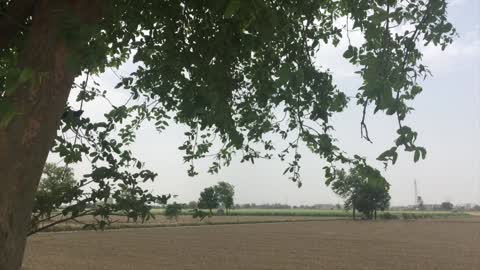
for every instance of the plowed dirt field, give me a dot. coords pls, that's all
(331, 244)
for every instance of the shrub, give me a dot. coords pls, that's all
(173, 210)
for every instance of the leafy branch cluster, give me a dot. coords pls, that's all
(239, 74)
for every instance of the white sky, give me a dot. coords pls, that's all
(447, 117)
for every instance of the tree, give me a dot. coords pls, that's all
(208, 199)
(364, 189)
(225, 193)
(346, 186)
(192, 205)
(55, 187)
(173, 210)
(220, 67)
(446, 206)
(372, 196)
(129, 200)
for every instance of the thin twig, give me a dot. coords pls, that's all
(363, 125)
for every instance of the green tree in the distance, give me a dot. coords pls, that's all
(225, 193)
(173, 210)
(55, 188)
(363, 189)
(208, 200)
(446, 206)
(373, 195)
(223, 68)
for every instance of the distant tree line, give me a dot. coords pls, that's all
(263, 206)
(218, 197)
(287, 206)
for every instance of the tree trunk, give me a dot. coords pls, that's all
(26, 140)
(375, 213)
(353, 209)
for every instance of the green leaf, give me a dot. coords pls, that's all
(387, 154)
(416, 156)
(394, 157)
(283, 74)
(416, 89)
(423, 152)
(232, 8)
(349, 53)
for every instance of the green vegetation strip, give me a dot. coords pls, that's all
(145, 225)
(331, 213)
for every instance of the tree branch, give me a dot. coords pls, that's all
(363, 125)
(58, 222)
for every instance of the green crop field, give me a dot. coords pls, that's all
(330, 213)
(290, 212)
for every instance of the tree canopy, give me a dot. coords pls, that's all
(208, 199)
(223, 68)
(225, 193)
(173, 210)
(57, 186)
(364, 189)
(447, 206)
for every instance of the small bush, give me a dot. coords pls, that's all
(173, 210)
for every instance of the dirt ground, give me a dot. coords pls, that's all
(421, 244)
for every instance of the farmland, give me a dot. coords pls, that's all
(338, 213)
(452, 243)
(242, 216)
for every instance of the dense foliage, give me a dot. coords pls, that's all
(208, 200)
(225, 193)
(447, 206)
(56, 187)
(239, 74)
(364, 189)
(173, 210)
(61, 198)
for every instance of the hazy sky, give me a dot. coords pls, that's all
(447, 117)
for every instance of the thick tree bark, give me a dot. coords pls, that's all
(39, 104)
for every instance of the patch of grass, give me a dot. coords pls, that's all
(274, 212)
(330, 213)
(119, 226)
(290, 212)
(408, 215)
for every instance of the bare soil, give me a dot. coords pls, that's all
(330, 244)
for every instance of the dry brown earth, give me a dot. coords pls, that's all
(393, 245)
